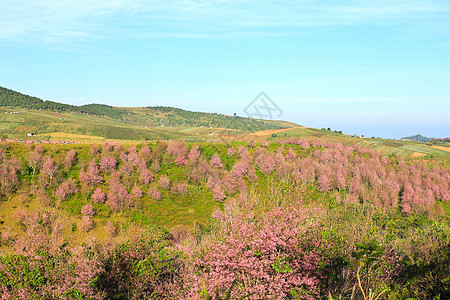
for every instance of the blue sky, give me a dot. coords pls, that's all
(378, 68)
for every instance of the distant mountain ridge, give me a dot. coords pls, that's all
(424, 139)
(152, 116)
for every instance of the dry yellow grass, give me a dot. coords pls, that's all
(70, 136)
(79, 138)
(418, 154)
(9, 209)
(272, 131)
(22, 128)
(441, 148)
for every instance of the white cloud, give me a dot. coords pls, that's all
(77, 19)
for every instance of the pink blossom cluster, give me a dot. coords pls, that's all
(263, 258)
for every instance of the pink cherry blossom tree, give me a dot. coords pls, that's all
(145, 154)
(154, 193)
(231, 151)
(49, 169)
(278, 253)
(98, 196)
(8, 176)
(35, 159)
(239, 169)
(180, 160)
(291, 154)
(194, 154)
(164, 182)
(137, 193)
(107, 164)
(88, 210)
(265, 163)
(69, 159)
(111, 229)
(216, 162)
(218, 194)
(66, 189)
(86, 223)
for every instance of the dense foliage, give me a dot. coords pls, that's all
(10, 98)
(180, 117)
(297, 220)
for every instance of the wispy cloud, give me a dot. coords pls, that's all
(53, 20)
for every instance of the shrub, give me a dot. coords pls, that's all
(164, 182)
(88, 210)
(275, 256)
(143, 267)
(215, 161)
(154, 193)
(45, 266)
(218, 194)
(98, 196)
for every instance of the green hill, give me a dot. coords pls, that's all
(10, 98)
(148, 116)
(417, 138)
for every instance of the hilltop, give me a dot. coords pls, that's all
(146, 116)
(417, 138)
(424, 139)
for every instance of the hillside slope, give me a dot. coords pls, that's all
(148, 116)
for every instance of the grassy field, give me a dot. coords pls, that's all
(81, 127)
(85, 128)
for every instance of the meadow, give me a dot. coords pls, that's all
(165, 123)
(290, 219)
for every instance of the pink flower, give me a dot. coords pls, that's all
(98, 196)
(154, 193)
(137, 193)
(194, 154)
(88, 210)
(180, 161)
(107, 164)
(231, 151)
(164, 182)
(215, 161)
(218, 194)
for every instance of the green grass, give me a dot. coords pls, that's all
(424, 149)
(308, 133)
(45, 123)
(387, 148)
(49, 125)
(186, 210)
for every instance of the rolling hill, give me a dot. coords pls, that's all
(145, 116)
(93, 123)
